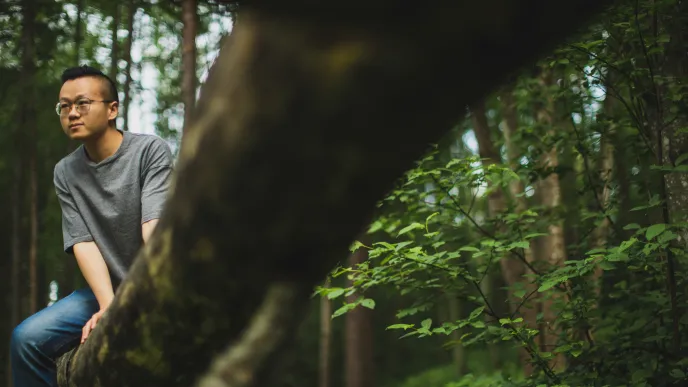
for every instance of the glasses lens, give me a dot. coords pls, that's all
(58, 109)
(82, 106)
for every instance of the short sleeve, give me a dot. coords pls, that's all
(74, 229)
(156, 177)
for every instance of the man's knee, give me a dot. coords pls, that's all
(22, 340)
(26, 337)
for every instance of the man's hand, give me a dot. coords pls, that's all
(91, 324)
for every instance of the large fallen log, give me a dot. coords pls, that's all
(307, 118)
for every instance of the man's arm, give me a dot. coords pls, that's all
(147, 229)
(95, 271)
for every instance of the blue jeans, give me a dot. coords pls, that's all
(38, 341)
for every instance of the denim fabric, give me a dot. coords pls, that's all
(40, 339)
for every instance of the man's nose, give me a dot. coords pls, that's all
(73, 112)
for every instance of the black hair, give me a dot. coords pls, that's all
(88, 71)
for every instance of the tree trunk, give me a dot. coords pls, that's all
(530, 309)
(16, 246)
(360, 362)
(324, 376)
(512, 269)
(553, 247)
(78, 27)
(607, 152)
(28, 121)
(292, 93)
(114, 51)
(127, 57)
(458, 353)
(189, 17)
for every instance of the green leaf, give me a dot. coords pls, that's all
(654, 230)
(520, 293)
(469, 248)
(475, 313)
(522, 244)
(412, 226)
(632, 226)
(426, 323)
(334, 293)
(368, 303)
(478, 324)
(548, 285)
(626, 244)
(400, 326)
(677, 373)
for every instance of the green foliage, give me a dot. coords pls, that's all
(614, 302)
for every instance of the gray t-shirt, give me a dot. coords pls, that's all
(107, 202)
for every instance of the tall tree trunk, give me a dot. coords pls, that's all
(189, 17)
(359, 363)
(458, 353)
(553, 247)
(530, 309)
(607, 153)
(512, 269)
(127, 57)
(114, 50)
(324, 374)
(16, 246)
(78, 27)
(28, 121)
(354, 113)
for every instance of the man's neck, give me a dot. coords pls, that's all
(103, 146)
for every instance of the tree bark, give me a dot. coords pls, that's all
(189, 32)
(131, 13)
(530, 309)
(114, 51)
(352, 103)
(512, 269)
(553, 246)
(358, 337)
(127, 58)
(28, 121)
(324, 371)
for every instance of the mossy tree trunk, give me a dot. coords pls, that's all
(308, 116)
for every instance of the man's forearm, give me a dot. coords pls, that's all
(95, 271)
(147, 229)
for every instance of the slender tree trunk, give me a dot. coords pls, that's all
(607, 153)
(78, 27)
(530, 309)
(324, 374)
(127, 57)
(189, 32)
(355, 114)
(458, 352)
(28, 121)
(512, 269)
(16, 247)
(554, 250)
(359, 365)
(114, 51)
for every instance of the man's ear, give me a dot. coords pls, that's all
(113, 111)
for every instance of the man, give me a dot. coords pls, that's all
(111, 191)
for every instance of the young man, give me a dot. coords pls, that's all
(111, 191)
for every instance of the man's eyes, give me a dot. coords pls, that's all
(82, 102)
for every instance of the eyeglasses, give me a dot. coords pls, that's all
(83, 105)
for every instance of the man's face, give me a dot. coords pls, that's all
(80, 119)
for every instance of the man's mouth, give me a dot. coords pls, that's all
(72, 126)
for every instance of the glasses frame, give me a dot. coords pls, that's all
(79, 109)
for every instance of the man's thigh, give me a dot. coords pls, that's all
(57, 328)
